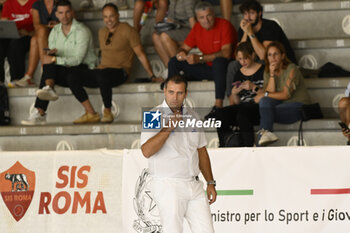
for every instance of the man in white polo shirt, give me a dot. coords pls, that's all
(176, 157)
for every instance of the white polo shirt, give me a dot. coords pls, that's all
(178, 158)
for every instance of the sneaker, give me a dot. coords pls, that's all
(47, 93)
(35, 119)
(213, 113)
(26, 81)
(266, 137)
(88, 118)
(12, 84)
(107, 117)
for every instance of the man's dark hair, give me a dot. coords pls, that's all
(64, 3)
(251, 5)
(112, 5)
(176, 79)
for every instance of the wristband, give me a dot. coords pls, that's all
(266, 93)
(212, 182)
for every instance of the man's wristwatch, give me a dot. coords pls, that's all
(252, 36)
(201, 59)
(211, 182)
(266, 93)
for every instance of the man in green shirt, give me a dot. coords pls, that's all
(70, 48)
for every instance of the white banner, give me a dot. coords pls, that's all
(66, 191)
(262, 190)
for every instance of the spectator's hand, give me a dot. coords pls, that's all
(235, 90)
(51, 52)
(211, 192)
(157, 80)
(23, 32)
(273, 68)
(181, 56)
(246, 27)
(346, 133)
(192, 59)
(52, 23)
(47, 59)
(258, 96)
(247, 85)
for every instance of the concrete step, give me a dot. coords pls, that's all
(131, 98)
(126, 135)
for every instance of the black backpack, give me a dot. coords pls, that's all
(4, 106)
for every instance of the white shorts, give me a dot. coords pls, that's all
(177, 199)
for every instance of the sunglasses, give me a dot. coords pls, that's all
(108, 41)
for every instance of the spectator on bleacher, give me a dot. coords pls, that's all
(166, 43)
(244, 111)
(44, 19)
(344, 112)
(71, 47)
(214, 37)
(260, 32)
(16, 49)
(118, 43)
(284, 93)
(139, 6)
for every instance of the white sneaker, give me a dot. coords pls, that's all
(266, 137)
(35, 119)
(26, 81)
(47, 93)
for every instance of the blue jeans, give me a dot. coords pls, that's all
(272, 110)
(202, 71)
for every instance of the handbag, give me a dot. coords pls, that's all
(308, 112)
(233, 138)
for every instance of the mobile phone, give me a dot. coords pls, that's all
(237, 83)
(343, 126)
(46, 49)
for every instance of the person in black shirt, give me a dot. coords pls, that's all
(260, 32)
(244, 109)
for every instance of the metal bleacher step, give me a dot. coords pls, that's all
(131, 98)
(127, 134)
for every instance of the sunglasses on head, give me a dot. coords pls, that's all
(108, 41)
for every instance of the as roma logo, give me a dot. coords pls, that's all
(17, 186)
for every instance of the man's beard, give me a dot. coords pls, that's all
(255, 23)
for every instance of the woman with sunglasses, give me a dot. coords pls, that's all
(284, 93)
(118, 43)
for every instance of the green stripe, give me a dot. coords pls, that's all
(235, 192)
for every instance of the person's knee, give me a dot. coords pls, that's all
(165, 38)
(265, 101)
(344, 102)
(41, 31)
(155, 38)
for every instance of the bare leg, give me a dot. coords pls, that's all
(219, 103)
(344, 111)
(161, 10)
(42, 34)
(161, 50)
(226, 9)
(169, 44)
(88, 107)
(33, 56)
(138, 9)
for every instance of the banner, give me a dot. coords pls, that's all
(260, 190)
(65, 191)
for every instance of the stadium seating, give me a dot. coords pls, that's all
(318, 31)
